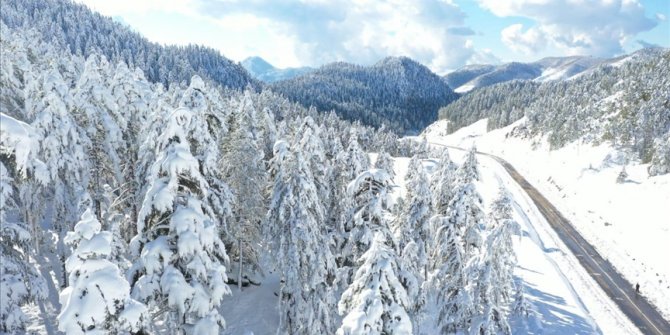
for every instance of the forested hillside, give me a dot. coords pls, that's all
(397, 92)
(129, 206)
(74, 28)
(547, 69)
(626, 103)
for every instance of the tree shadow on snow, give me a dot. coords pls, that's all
(550, 317)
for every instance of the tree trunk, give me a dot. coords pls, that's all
(239, 270)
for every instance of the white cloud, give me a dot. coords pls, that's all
(661, 17)
(362, 31)
(308, 32)
(531, 41)
(594, 27)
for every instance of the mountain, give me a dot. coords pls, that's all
(396, 92)
(624, 101)
(75, 28)
(546, 69)
(260, 69)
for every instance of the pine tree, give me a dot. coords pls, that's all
(97, 113)
(442, 183)
(355, 160)
(132, 95)
(351, 163)
(449, 279)
(62, 145)
(660, 162)
(385, 162)
(412, 225)
(306, 265)
(368, 195)
(97, 299)
(20, 281)
(244, 170)
(465, 207)
(376, 302)
(180, 271)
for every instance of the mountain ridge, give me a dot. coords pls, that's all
(262, 70)
(397, 92)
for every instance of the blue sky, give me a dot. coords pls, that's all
(442, 34)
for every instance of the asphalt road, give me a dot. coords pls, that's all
(622, 292)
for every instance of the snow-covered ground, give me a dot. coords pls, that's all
(628, 223)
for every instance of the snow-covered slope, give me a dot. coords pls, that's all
(260, 69)
(626, 222)
(546, 69)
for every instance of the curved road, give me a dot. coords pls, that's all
(622, 292)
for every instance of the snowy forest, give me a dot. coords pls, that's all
(132, 207)
(625, 104)
(148, 189)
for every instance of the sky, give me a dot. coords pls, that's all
(442, 34)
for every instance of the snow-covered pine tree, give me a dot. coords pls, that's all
(355, 160)
(20, 282)
(442, 183)
(368, 195)
(372, 256)
(456, 248)
(412, 225)
(97, 299)
(312, 148)
(422, 150)
(244, 170)
(376, 301)
(494, 285)
(385, 162)
(306, 265)
(97, 113)
(349, 164)
(660, 162)
(500, 246)
(449, 279)
(132, 95)
(336, 191)
(206, 132)
(180, 270)
(62, 145)
(465, 207)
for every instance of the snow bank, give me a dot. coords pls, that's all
(626, 222)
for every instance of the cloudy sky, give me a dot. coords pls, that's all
(442, 34)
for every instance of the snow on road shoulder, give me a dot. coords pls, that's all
(561, 288)
(627, 223)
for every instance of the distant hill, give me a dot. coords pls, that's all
(624, 100)
(264, 71)
(397, 92)
(547, 69)
(77, 29)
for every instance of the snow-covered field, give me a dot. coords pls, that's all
(628, 223)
